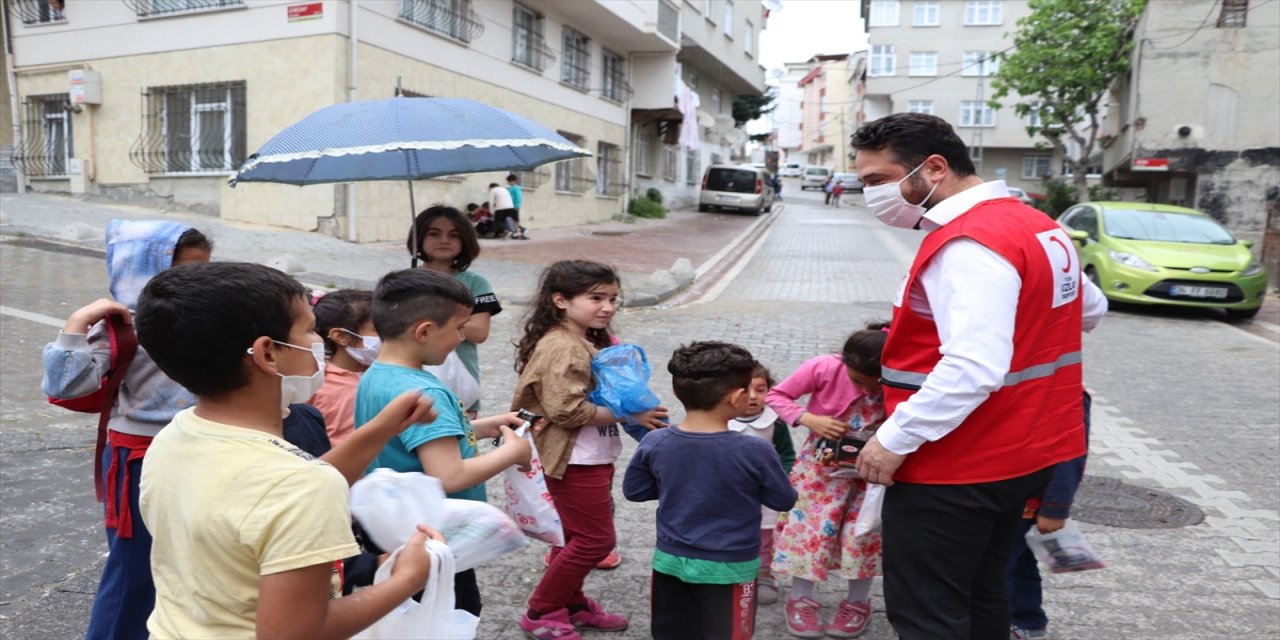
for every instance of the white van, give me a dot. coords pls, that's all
(814, 177)
(790, 170)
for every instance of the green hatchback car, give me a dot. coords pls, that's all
(1144, 253)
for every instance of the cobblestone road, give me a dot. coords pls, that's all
(1185, 404)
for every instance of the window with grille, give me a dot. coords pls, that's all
(715, 101)
(728, 18)
(145, 8)
(531, 180)
(645, 141)
(37, 11)
(691, 169)
(575, 59)
(882, 60)
(192, 129)
(983, 12)
(528, 46)
(608, 170)
(615, 76)
(925, 14)
(1035, 118)
(974, 113)
(669, 20)
(748, 34)
(571, 175)
(884, 13)
(453, 18)
(1036, 165)
(46, 146)
(670, 163)
(920, 106)
(923, 63)
(980, 63)
(1234, 15)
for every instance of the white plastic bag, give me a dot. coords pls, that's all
(869, 515)
(435, 618)
(1064, 550)
(529, 501)
(454, 375)
(391, 505)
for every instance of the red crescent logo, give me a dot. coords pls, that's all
(1065, 250)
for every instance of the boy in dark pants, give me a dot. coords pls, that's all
(709, 483)
(1048, 514)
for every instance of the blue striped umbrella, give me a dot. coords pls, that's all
(404, 139)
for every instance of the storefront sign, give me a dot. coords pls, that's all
(308, 11)
(1150, 164)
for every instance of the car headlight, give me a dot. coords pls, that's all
(1253, 269)
(1130, 260)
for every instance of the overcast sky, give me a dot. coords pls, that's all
(804, 28)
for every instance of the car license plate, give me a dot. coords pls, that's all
(1198, 292)
(727, 198)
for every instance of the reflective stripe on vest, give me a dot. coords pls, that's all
(912, 381)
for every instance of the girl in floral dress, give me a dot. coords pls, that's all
(815, 539)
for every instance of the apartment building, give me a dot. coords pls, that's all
(1194, 122)
(718, 59)
(787, 115)
(161, 100)
(936, 56)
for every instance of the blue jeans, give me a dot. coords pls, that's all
(1025, 594)
(126, 595)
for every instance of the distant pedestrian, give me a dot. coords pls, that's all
(837, 190)
(777, 188)
(146, 400)
(1047, 514)
(517, 199)
(710, 484)
(981, 372)
(815, 541)
(827, 187)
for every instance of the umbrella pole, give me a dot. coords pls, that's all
(413, 214)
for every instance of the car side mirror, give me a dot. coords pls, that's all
(1247, 244)
(1081, 237)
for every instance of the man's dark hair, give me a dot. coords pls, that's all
(492, 185)
(192, 239)
(411, 295)
(703, 372)
(196, 321)
(511, 177)
(912, 137)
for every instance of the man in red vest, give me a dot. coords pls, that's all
(981, 376)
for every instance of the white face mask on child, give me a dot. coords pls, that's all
(295, 389)
(366, 353)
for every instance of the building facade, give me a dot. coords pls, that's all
(826, 111)
(179, 92)
(938, 57)
(1194, 122)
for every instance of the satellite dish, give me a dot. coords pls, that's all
(735, 136)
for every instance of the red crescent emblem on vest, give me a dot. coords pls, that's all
(1064, 250)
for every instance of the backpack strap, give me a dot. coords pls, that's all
(124, 345)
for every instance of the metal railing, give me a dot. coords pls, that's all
(530, 49)
(147, 8)
(45, 149)
(37, 11)
(191, 129)
(453, 18)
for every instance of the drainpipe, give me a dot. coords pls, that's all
(13, 96)
(629, 151)
(353, 44)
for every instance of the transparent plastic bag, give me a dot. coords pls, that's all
(869, 515)
(1064, 550)
(434, 618)
(529, 501)
(454, 375)
(622, 384)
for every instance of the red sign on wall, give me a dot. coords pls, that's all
(308, 11)
(1150, 164)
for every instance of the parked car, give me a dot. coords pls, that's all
(1159, 254)
(849, 181)
(814, 177)
(790, 170)
(1020, 194)
(736, 188)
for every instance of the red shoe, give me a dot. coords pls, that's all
(551, 626)
(851, 621)
(595, 617)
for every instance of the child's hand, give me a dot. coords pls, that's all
(1049, 525)
(413, 565)
(85, 317)
(652, 419)
(825, 426)
(408, 408)
(518, 448)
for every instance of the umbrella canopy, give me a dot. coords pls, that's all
(404, 139)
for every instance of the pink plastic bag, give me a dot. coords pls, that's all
(529, 501)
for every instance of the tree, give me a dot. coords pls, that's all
(749, 107)
(1065, 55)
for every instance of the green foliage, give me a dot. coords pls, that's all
(749, 107)
(1061, 195)
(646, 207)
(654, 194)
(1066, 53)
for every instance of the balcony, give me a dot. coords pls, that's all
(624, 26)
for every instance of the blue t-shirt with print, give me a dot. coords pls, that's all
(381, 384)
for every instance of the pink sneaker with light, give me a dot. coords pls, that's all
(550, 626)
(851, 621)
(804, 618)
(595, 617)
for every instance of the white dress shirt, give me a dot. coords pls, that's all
(971, 293)
(500, 198)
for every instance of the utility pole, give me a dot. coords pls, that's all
(975, 150)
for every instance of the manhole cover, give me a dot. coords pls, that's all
(610, 233)
(1102, 500)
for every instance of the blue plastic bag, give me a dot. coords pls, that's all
(622, 385)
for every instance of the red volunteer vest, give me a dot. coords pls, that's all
(1036, 418)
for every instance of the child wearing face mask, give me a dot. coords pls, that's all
(344, 319)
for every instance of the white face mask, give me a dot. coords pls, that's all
(295, 389)
(367, 353)
(888, 204)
